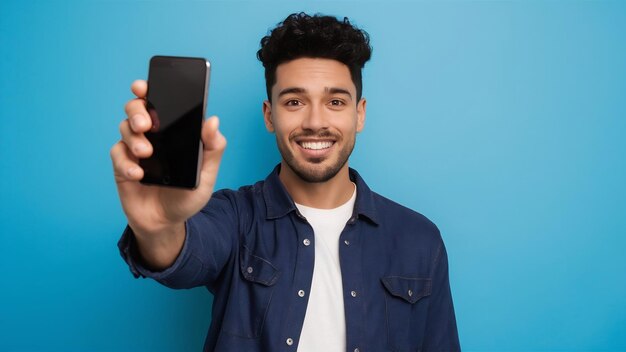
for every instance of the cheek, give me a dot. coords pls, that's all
(284, 127)
(282, 133)
(349, 126)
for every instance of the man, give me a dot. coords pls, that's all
(310, 259)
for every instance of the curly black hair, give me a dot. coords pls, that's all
(301, 35)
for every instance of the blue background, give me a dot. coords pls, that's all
(503, 122)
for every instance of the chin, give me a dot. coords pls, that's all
(314, 171)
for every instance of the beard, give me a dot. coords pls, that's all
(313, 170)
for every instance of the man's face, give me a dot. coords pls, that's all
(315, 116)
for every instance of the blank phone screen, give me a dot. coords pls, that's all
(176, 102)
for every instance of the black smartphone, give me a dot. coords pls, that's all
(176, 101)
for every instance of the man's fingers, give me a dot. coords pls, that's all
(137, 143)
(124, 166)
(136, 112)
(139, 88)
(138, 116)
(212, 139)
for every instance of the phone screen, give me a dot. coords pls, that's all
(176, 101)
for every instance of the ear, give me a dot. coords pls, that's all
(360, 114)
(267, 116)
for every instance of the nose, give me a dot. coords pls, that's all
(315, 119)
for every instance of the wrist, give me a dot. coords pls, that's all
(159, 249)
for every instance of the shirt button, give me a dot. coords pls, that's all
(301, 293)
(249, 270)
(306, 242)
(410, 293)
(356, 350)
(346, 242)
(289, 341)
(353, 293)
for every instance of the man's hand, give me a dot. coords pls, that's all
(157, 214)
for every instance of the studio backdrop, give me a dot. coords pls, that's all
(504, 122)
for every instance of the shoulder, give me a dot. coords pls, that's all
(245, 198)
(243, 193)
(405, 222)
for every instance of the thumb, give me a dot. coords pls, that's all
(212, 139)
(214, 145)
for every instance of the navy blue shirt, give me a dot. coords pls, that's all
(254, 252)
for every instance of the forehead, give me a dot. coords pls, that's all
(313, 74)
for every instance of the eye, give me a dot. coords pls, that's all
(337, 102)
(293, 102)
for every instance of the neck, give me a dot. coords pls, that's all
(321, 195)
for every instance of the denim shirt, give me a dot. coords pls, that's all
(254, 252)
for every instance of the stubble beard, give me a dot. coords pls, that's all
(311, 170)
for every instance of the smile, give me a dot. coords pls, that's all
(316, 145)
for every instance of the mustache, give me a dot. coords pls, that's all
(315, 134)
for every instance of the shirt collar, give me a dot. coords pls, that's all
(279, 203)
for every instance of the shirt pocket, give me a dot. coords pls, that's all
(250, 296)
(406, 307)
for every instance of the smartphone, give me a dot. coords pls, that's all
(176, 101)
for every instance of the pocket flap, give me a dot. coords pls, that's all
(257, 269)
(409, 289)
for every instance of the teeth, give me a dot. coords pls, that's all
(316, 145)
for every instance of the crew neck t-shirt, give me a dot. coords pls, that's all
(324, 326)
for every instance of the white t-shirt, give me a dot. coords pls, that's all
(324, 326)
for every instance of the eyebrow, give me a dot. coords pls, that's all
(329, 90)
(334, 90)
(291, 90)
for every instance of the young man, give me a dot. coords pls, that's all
(310, 259)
